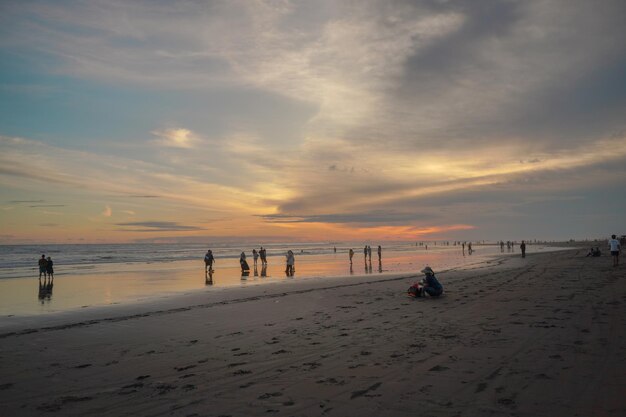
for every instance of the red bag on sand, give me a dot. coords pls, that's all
(415, 290)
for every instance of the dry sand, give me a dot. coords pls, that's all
(541, 336)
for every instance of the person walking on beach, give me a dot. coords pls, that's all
(255, 256)
(380, 253)
(351, 254)
(522, 247)
(208, 260)
(49, 267)
(42, 266)
(615, 248)
(291, 260)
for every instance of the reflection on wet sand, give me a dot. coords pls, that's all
(208, 277)
(45, 289)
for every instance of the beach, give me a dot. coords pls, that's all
(539, 336)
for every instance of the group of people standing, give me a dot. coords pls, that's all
(46, 267)
(367, 253)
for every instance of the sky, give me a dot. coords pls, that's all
(325, 120)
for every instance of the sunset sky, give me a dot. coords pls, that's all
(127, 121)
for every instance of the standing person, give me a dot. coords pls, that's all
(351, 254)
(369, 252)
(522, 247)
(49, 267)
(263, 255)
(365, 253)
(290, 263)
(380, 253)
(334, 249)
(255, 256)
(42, 266)
(615, 248)
(244, 264)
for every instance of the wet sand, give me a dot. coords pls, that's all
(514, 337)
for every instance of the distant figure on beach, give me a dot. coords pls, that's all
(501, 246)
(365, 253)
(42, 266)
(255, 256)
(594, 252)
(469, 248)
(208, 260)
(334, 249)
(380, 253)
(263, 255)
(615, 249)
(522, 247)
(369, 252)
(244, 264)
(291, 260)
(351, 254)
(49, 267)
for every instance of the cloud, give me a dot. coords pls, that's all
(156, 226)
(175, 138)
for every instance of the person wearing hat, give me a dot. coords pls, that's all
(431, 286)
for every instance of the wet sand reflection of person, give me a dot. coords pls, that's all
(208, 277)
(263, 269)
(256, 271)
(380, 266)
(45, 289)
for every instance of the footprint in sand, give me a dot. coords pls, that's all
(59, 402)
(270, 395)
(480, 387)
(184, 368)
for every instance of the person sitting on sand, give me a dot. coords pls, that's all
(432, 286)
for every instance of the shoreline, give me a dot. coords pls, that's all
(114, 284)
